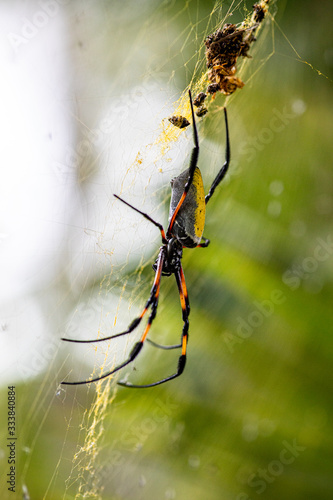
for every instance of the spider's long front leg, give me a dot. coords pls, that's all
(180, 278)
(153, 302)
(192, 167)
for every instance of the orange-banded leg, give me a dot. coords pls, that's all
(180, 278)
(183, 292)
(130, 329)
(151, 302)
(193, 164)
(185, 307)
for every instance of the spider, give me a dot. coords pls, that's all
(185, 229)
(179, 121)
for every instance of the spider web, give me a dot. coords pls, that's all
(124, 144)
(142, 178)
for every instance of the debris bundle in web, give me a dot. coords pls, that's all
(226, 45)
(223, 49)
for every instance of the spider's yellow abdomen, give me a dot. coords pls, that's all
(190, 220)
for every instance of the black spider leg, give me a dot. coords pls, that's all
(153, 301)
(180, 278)
(146, 216)
(225, 166)
(193, 164)
(204, 243)
(160, 346)
(130, 329)
(137, 320)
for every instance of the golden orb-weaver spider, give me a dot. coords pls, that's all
(185, 229)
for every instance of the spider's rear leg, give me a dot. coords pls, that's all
(153, 302)
(160, 346)
(185, 308)
(180, 278)
(133, 325)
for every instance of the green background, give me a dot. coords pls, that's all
(251, 416)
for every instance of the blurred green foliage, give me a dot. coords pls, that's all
(250, 417)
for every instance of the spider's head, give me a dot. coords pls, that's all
(173, 252)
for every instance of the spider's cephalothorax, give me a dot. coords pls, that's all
(185, 229)
(172, 256)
